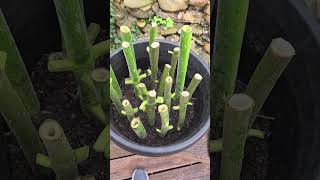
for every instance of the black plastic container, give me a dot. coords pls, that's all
(196, 65)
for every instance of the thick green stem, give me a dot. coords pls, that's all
(89, 101)
(143, 90)
(115, 98)
(115, 83)
(194, 84)
(153, 33)
(174, 60)
(17, 116)
(167, 91)
(62, 158)
(150, 107)
(100, 77)
(235, 130)
(184, 99)
(74, 31)
(102, 142)
(216, 145)
(185, 47)
(230, 26)
(93, 32)
(78, 47)
(131, 62)
(165, 74)
(266, 75)
(154, 59)
(165, 126)
(128, 109)
(126, 36)
(100, 49)
(138, 128)
(16, 70)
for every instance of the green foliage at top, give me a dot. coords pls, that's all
(167, 23)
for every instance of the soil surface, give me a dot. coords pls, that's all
(58, 97)
(122, 124)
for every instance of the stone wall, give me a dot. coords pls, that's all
(192, 12)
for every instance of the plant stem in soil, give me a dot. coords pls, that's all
(165, 74)
(115, 98)
(194, 84)
(174, 61)
(150, 107)
(167, 91)
(128, 109)
(267, 73)
(153, 33)
(126, 36)
(165, 126)
(185, 47)
(16, 70)
(230, 26)
(183, 104)
(18, 117)
(61, 155)
(154, 59)
(115, 83)
(79, 50)
(138, 128)
(100, 78)
(235, 129)
(131, 62)
(143, 90)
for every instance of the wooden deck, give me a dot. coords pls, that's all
(193, 163)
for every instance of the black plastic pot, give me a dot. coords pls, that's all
(196, 65)
(295, 100)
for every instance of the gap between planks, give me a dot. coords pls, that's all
(123, 163)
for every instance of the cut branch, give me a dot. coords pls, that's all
(235, 130)
(266, 75)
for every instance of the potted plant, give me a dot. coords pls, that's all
(74, 99)
(167, 113)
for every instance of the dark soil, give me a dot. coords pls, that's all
(58, 97)
(122, 124)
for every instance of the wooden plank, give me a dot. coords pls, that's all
(122, 168)
(198, 151)
(195, 172)
(117, 152)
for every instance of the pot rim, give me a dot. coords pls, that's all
(170, 149)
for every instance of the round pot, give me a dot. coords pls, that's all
(196, 65)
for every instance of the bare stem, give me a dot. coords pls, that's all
(185, 47)
(266, 75)
(128, 109)
(150, 107)
(184, 99)
(154, 59)
(174, 60)
(62, 158)
(167, 91)
(235, 130)
(115, 98)
(165, 126)
(164, 75)
(138, 128)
